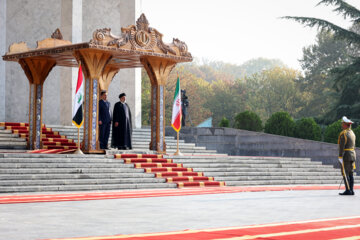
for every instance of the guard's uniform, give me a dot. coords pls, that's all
(347, 153)
(347, 150)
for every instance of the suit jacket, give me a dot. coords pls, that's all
(104, 112)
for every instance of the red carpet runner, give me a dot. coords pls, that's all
(51, 142)
(56, 197)
(172, 172)
(346, 228)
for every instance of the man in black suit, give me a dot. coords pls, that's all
(122, 127)
(104, 120)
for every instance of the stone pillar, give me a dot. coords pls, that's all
(71, 28)
(2, 63)
(93, 65)
(36, 70)
(130, 79)
(158, 71)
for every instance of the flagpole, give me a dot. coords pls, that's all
(178, 153)
(78, 150)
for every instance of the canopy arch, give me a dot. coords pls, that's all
(102, 57)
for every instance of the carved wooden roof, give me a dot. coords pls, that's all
(126, 50)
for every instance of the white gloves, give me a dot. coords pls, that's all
(340, 160)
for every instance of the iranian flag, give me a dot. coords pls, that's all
(78, 118)
(176, 112)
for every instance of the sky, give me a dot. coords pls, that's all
(235, 31)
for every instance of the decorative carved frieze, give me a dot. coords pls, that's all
(57, 34)
(182, 47)
(18, 48)
(139, 37)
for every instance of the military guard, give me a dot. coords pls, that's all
(347, 155)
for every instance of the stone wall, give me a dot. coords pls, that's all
(30, 21)
(247, 143)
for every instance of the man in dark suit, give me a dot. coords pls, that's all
(104, 120)
(122, 127)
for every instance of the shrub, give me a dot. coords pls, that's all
(249, 121)
(332, 132)
(307, 128)
(280, 123)
(224, 122)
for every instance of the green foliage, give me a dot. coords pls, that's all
(316, 62)
(248, 121)
(332, 132)
(280, 123)
(275, 90)
(307, 128)
(344, 70)
(145, 98)
(224, 122)
(357, 134)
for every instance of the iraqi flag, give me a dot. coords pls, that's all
(176, 111)
(78, 118)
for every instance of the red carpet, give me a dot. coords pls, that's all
(9, 199)
(323, 229)
(153, 163)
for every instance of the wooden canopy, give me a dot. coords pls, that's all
(102, 57)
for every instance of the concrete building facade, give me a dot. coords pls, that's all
(30, 21)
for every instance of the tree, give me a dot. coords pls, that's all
(317, 62)
(346, 77)
(275, 90)
(226, 99)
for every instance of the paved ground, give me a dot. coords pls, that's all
(162, 214)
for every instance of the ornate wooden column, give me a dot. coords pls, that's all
(107, 76)
(158, 71)
(94, 63)
(36, 70)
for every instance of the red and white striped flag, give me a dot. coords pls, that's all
(176, 111)
(78, 118)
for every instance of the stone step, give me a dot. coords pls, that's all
(75, 176)
(281, 182)
(240, 165)
(60, 160)
(71, 156)
(227, 161)
(60, 170)
(48, 182)
(235, 174)
(9, 135)
(260, 178)
(93, 187)
(12, 145)
(268, 158)
(64, 165)
(261, 169)
(12, 139)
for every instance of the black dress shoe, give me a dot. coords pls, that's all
(347, 192)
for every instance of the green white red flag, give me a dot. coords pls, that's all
(77, 115)
(176, 111)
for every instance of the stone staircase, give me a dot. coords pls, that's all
(11, 141)
(141, 139)
(23, 172)
(247, 170)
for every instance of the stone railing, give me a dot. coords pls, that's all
(247, 143)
